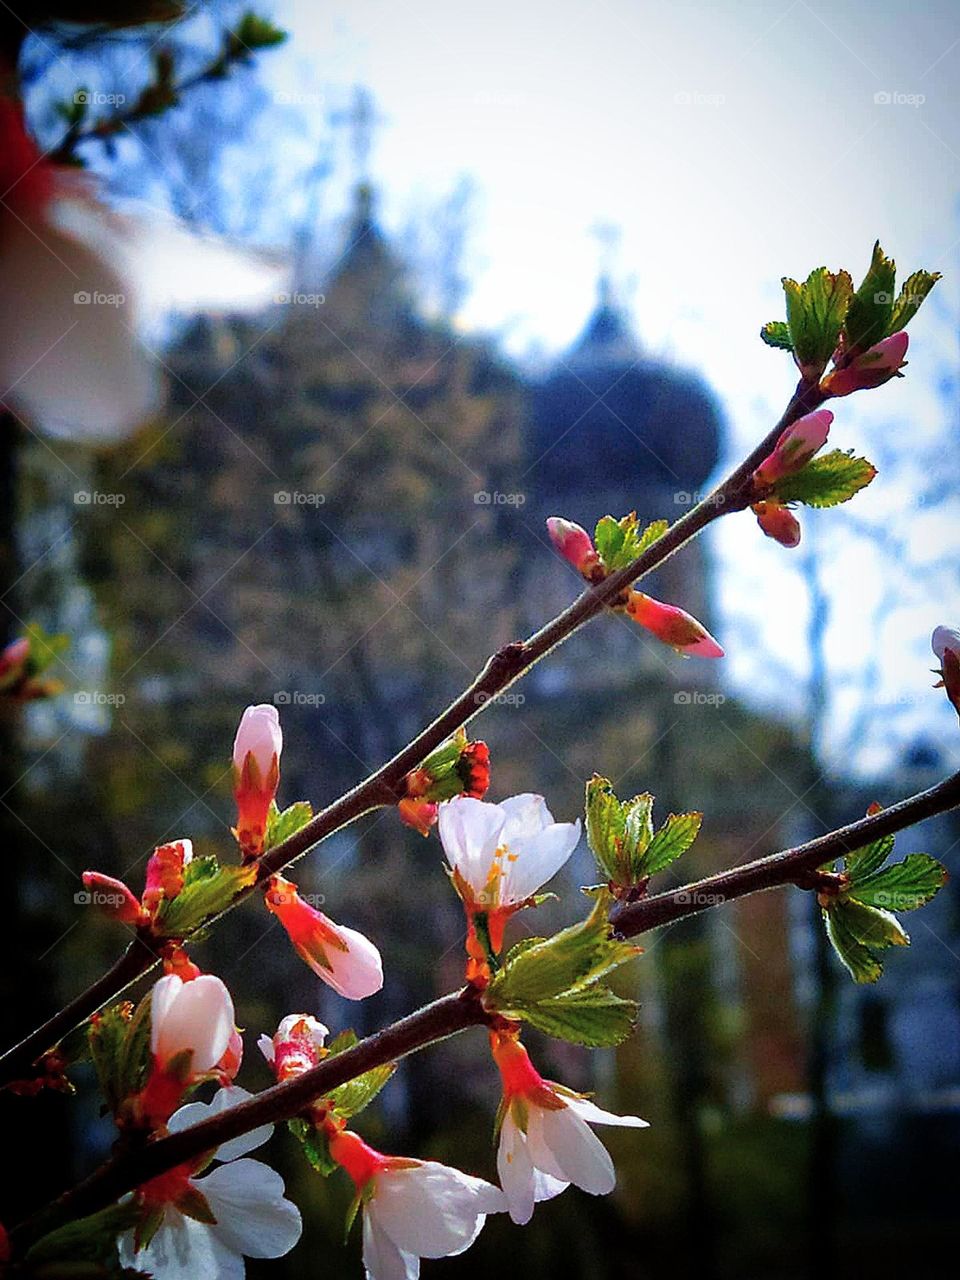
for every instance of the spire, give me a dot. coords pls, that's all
(607, 338)
(361, 119)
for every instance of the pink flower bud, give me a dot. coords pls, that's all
(946, 645)
(112, 897)
(796, 446)
(417, 813)
(165, 873)
(945, 638)
(871, 369)
(296, 1046)
(256, 774)
(229, 1064)
(195, 1017)
(342, 957)
(673, 626)
(574, 544)
(14, 655)
(778, 522)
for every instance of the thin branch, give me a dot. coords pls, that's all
(385, 786)
(455, 1013)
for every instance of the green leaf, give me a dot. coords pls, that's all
(860, 962)
(608, 539)
(595, 1017)
(620, 542)
(208, 888)
(863, 862)
(776, 333)
(45, 647)
(873, 926)
(106, 1037)
(904, 886)
(815, 316)
(282, 825)
(91, 1240)
(638, 832)
(858, 931)
(871, 307)
(133, 1060)
(912, 296)
(315, 1146)
(350, 1098)
(606, 825)
(254, 32)
(828, 480)
(341, 1043)
(672, 840)
(567, 962)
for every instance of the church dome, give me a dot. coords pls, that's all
(609, 418)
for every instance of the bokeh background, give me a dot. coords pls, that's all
(532, 247)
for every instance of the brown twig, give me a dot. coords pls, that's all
(457, 1012)
(385, 785)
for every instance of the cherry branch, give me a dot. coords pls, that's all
(457, 1012)
(385, 785)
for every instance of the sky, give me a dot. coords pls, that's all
(731, 144)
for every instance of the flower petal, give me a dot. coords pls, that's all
(381, 1257)
(523, 1185)
(355, 973)
(432, 1210)
(470, 832)
(578, 1151)
(183, 1249)
(253, 1217)
(593, 1114)
(532, 860)
(198, 1015)
(526, 815)
(186, 1117)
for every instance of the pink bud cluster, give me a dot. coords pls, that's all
(665, 621)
